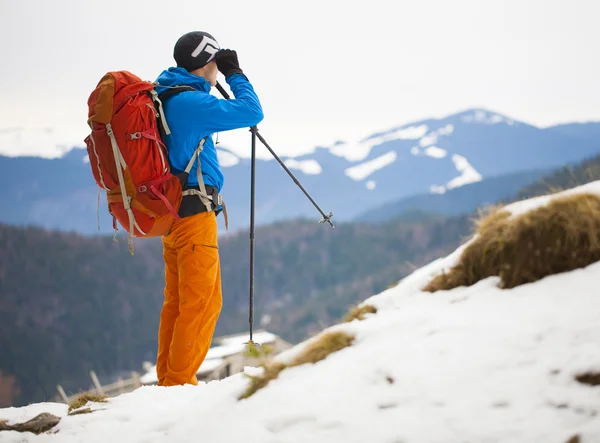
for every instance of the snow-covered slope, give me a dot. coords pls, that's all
(471, 365)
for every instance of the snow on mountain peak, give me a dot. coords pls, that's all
(435, 152)
(485, 117)
(468, 175)
(362, 171)
(432, 137)
(359, 151)
(309, 167)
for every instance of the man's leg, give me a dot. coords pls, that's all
(200, 298)
(170, 309)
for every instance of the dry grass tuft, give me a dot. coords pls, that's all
(359, 312)
(317, 351)
(321, 348)
(84, 398)
(271, 372)
(490, 217)
(81, 411)
(559, 237)
(589, 378)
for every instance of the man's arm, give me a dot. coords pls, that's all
(243, 111)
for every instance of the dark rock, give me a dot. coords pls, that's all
(42, 423)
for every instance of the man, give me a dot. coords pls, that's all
(193, 297)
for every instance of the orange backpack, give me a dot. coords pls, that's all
(128, 156)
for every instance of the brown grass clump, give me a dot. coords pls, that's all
(589, 378)
(559, 237)
(271, 372)
(321, 348)
(84, 398)
(317, 351)
(490, 217)
(359, 312)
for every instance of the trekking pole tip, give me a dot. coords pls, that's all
(327, 219)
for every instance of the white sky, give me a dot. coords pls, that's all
(324, 70)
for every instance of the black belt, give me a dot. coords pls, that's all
(192, 205)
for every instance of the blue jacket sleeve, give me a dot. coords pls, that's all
(214, 114)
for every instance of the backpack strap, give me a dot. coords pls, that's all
(202, 194)
(121, 166)
(158, 103)
(174, 90)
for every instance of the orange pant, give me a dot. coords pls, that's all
(193, 298)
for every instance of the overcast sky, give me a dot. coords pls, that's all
(324, 70)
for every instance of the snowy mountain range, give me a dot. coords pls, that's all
(348, 178)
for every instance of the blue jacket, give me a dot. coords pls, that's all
(192, 115)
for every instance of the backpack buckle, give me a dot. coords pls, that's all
(142, 188)
(135, 135)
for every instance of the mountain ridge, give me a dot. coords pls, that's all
(347, 178)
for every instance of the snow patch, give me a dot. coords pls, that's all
(435, 152)
(484, 117)
(359, 151)
(432, 137)
(468, 175)
(527, 205)
(252, 371)
(21, 415)
(371, 184)
(309, 167)
(363, 170)
(227, 159)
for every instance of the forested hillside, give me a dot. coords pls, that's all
(72, 303)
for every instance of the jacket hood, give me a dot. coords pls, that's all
(176, 76)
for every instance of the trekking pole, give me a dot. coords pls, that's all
(326, 217)
(254, 129)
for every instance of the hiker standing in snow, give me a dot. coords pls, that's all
(193, 297)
